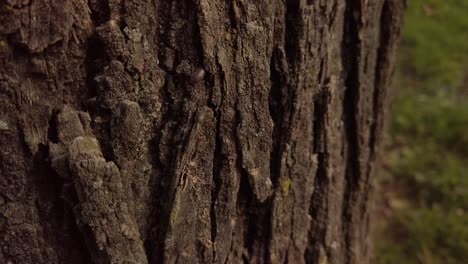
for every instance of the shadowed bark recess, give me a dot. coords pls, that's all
(191, 131)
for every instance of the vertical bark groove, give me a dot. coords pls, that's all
(351, 46)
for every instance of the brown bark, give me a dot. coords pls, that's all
(116, 148)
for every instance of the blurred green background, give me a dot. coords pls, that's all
(423, 186)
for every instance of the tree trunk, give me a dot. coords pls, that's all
(191, 131)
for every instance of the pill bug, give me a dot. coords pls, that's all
(197, 75)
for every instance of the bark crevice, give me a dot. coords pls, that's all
(351, 53)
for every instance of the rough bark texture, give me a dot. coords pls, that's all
(115, 148)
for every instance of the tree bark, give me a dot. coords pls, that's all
(191, 131)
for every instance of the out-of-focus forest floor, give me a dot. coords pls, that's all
(422, 209)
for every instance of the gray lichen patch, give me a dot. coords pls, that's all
(103, 203)
(4, 126)
(102, 197)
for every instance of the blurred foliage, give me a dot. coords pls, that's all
(435, 41)
(427, 235)
(425, 183)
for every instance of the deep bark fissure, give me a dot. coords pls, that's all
(50, 192)
(321, 100)
(245, 197)
(217, 163)
(318, 212)
(94, 62)
(278, 85)
(379, 92)
(351, 53)
(218, 156)
(58, 193)
(319, 198)
(100, 11)
(388, 32)
(293, 27)
(275, 103)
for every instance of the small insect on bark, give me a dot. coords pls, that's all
(197, 75)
